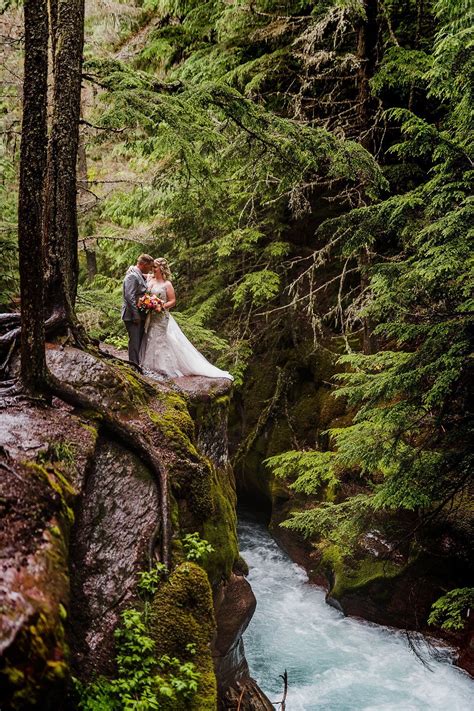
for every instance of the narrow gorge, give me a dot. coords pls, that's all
(82, 511)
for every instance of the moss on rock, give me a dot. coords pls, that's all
(349, 576)
(220, 529)
(182, 620)
(35, 669)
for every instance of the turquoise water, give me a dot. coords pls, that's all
(334, 662)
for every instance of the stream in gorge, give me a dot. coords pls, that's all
(334, 662)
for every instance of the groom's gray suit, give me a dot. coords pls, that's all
(134, 286)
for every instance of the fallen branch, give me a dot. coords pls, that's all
(14, 317)
(282, 703)
(104, 128)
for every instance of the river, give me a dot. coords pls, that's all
(334, 662)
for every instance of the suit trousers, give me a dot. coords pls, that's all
(135, 335)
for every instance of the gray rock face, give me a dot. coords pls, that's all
(209, 406)
(117, 515)
(88, 374)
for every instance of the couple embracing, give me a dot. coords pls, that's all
(155, 341)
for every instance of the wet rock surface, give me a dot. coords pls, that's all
(234, 604)
(115, 521)
(80, 509)
(45, 453)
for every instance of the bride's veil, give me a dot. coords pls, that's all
(189, 360)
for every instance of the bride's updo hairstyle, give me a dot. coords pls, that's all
(162, 263)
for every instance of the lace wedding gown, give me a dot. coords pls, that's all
(165, 348)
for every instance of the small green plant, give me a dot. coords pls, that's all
(144, 682)
(149, 580)
(195, 547)
(58, 452)
(450, 611)
(118, 341)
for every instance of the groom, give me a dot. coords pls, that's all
(134, 286)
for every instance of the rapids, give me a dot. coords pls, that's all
(334, 662)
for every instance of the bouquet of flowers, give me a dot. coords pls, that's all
(150, 302)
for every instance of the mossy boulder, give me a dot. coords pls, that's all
(86, 520)
(183, 626)
(45, 453)
(396, 586)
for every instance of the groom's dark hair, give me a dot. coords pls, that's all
(144, 259)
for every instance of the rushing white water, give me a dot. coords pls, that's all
(334, 662)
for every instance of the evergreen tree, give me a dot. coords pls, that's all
(412, 425)
(61, 233)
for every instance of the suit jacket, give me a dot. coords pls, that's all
(134, 286)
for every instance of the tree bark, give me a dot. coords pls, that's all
(91, 259)
(61, 233)
(33, 155)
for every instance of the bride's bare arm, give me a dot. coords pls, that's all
(170, 296)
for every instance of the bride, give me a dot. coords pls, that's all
(164, 348)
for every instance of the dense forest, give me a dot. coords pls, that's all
(307, 169)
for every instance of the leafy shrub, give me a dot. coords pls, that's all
(450, 611)
(148, 581)
(196, 548)
(144, 682)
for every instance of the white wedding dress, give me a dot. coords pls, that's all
(166, 350)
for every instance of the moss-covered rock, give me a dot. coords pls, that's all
(183, 626)
(220, 528)
(58, 453)
(46, 452)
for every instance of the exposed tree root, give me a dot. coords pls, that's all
(6, 361)
(130, 435)
(152, 544)
(10, 318)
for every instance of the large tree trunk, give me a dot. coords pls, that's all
(61, 233)
(33, 155)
